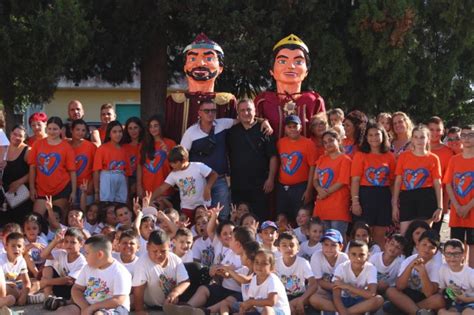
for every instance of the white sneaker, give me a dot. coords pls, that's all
(5, 311)
(36, 298)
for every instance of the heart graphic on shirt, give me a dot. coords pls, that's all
(81, 162)
(377, 176)
(47, 163)
(133, 160)
(414, 179)
(464, 183)
(155, 165)
(348, 149)
(291, 162)
(116, 165)
(325, 176)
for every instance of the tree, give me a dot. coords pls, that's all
(38, 41)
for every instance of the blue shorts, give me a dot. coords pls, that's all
(350, 301)
(462, 306)
(113, 187)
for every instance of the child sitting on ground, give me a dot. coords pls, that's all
(302, 220)
(315, 232)
(269, 235)
(182, 244)
(128, 244)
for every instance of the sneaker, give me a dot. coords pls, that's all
(47, 302)
(5, 311)
(36, 298)
(423, 311)
(57, 303)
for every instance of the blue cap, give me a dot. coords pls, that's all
(333, 235)
(268, 224)
(292, 119)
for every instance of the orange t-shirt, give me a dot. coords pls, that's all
(320, 151)
(84, 159)
(296, 158)
(102, 132)
(132, 153)
(155, 171)
(444, 154)
(329, 172)
(350, 148)
(31, 140)
(374, 169)
(110, 158)
(460, 173)
(53, 164)
(417, 171)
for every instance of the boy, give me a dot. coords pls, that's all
(194, 180)
(453, 139)
(388, 262)
(68, 263)
(182, 243)
(160, 276)
(128, 248)
(268, 235)
(295, 179)
(123, 215)
(103, 285)
(418, 279)
(336, 117)
(14, 268)
(324, 263)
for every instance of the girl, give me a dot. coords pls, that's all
(402, 129)
(373, 171)
(92, 217)
(354, 127)
(220, 234)
(132, 138)
(111, 167)
(331, 181)
(52, 170)
(37, 122)
(417, 183)
(266, 294)
(250, 220)
(85, 152)
(203, 251)
(107, 115)
(412, 235)
(318, 124)
(153, 166)
(302, 220)
(361, 232)
(315, 233)
(385, 119)
(35, 242)
(238, 210)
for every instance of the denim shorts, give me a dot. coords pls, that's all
(113, 187)
(350, 301)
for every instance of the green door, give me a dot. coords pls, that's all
(125, 111)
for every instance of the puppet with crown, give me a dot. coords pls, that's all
(290, 66)
(204, 62)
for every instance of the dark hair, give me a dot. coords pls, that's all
(249, 214)
(267, 253)
(410, 244)
(79, 122)
(244, 203)
(148, 145)
(13, 236)
(467, 127)
(126, 137)
(454, 129)
(251, 249)
(111, 125)
(220, 57)
(158, 237)
(75, 232)
(19, 126)
(287, 236)
(362, 225)
(100, 243)
(120, 206)
(455, 243)
(384, 146)
(243, 234)
(221, 225)
(402, 241)
(55, 120)
(129, 233)
(359, 120)
(32, 218)
(315, 221)
(435, 120)
(357, 244)
(290, 47)
(432, 236)
(336, 135)
(178, 154)
(183, 232)
(146, 219)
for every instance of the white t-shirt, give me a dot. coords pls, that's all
(65, 268)
(130, 266)
(372, 250)
(188, 257)
(89, 227)
(160, 281)
(231, 259)
(321, 267)
(432, 267)
(103, 284)
(203, 251)
(367, 276)
(35, 253)
(11, 270)
(142, 249)
(220, 251)
(389, 273)
(438, 257)
(245, 286)
(294, 276)
(300, 235)
(461, 282)
(191, 183)
(271, 285)
(307, 251)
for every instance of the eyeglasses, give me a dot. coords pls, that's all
(453, 254)
(453, 139)
(209, 111)
(467, 135)
(319, 123)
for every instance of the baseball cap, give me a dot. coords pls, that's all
(268, 224)
(292, 119)
(333, 235)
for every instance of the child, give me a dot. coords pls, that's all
(283, 222)
(199, 211)
(68, 263)
(221, 235)
(34, 244)
(5, 300)
(203, 251)
(182, 244)
(361, 232)
(147, 225)
(323, 264)
(103, 285)
(294, 272)
(14, 268)
(269, 234)
(336, 117)
(356, 283)
(354, 126)
(92, 217)
(385, 119)
(124, 215)
(302, 220)
(194, 180)
(238, 210)
(417, 279)
(315, 232)
(128, 248)
(107, 115)
(388, 262)
(453, 140)
(160, 276)
(413, 234)
(111, 167)
(266, 293)
(7, 229)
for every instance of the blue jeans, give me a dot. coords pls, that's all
(220, 194)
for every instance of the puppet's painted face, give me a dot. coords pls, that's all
(290, 66)
(202, 64)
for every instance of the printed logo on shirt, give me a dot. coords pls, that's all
(414, 282)
(155, 165)
(97, 289)
(116, 165)
(133, 161)
(81, 162)
(187, 186)
(463, 183)
(292, 284)
(166, 284)
(414, 179)
(207, 256)
(325, 177)
(348, 149)
(11, 276)
(291, 162)
(47, 163)
(383, 276)
(377, 176)
(458, 290)
(327, 277)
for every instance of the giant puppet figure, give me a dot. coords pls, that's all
(290, 66)
(204, 61)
